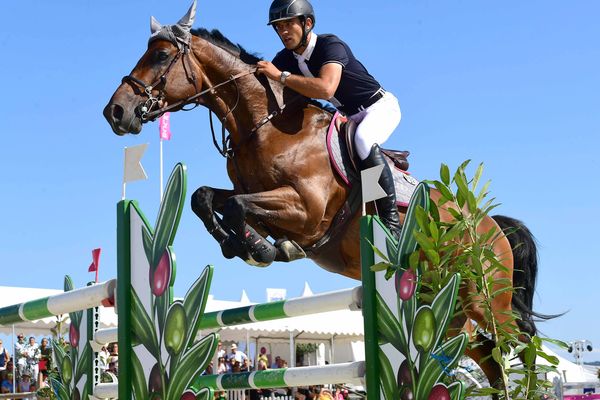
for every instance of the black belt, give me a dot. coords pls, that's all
(372, 100)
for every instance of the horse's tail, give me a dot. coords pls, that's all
(525, 269)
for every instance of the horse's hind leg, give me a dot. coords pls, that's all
(481, 353)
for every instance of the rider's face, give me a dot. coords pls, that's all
(290, 31)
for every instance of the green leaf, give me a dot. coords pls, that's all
(68, 283)
(191, 365)
(497, 356)
(84, 364)
(443, 307)
(444, 191)
(445, 174)
(59, 389)
(477, 177)
(409, 310)
(380, 266)
(446, 356)
(422, 220)
(457, 390)
(138, 383)
(388, 326)
(424, 241)
(556, 342)
(147, 242)
(455, 213)
(387, 378)
(194, 302)
(433, 230)
(169, 213)
(471, 202)
(142, 326)
(59, 354)
(433, 256)
(434, 211)
(407, 242)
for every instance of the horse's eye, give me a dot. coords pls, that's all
(162, 55)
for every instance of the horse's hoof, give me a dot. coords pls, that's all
(290, 250)
(254, 263)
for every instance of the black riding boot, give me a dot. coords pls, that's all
(386, 206)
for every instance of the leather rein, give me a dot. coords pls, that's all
(146, 111)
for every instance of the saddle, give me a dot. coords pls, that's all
(347, 130)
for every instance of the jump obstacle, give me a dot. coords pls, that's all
(160, 357)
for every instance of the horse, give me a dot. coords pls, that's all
(283, 183)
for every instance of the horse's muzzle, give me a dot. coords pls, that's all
(121, 120)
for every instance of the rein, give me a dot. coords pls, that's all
(147, 113)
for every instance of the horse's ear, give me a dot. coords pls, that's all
(155, 26)
(188, 19)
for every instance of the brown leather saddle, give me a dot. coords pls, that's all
(347, 129)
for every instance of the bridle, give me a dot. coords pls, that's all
(146, 111)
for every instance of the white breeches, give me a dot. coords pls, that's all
(376, 124)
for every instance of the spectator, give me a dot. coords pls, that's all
(263, 359)
(222, 367)
(103, 356)
(276, 363)
(6, 378)
(25, 384)
(238, 357)
(33, 356)
(45, 361)
(4, 357)
(20, 354)
(220, 350)
(113, 358)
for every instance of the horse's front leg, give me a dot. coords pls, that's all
(206, 202)
(281, 208)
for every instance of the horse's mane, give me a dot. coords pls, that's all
(218, 39)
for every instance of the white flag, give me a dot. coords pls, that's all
(275, 294)
(134, 171)
(370, 184)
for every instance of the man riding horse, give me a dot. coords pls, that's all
(324, 67)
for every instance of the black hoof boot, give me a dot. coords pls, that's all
(386, 206)
(262, 253)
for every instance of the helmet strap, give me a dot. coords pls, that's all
(304, 40)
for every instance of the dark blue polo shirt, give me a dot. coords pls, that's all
(356, 84)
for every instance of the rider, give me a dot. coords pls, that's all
(323, 67)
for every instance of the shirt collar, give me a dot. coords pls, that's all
(309, 48)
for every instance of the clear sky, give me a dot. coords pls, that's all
(513, 84)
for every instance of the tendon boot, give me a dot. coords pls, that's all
(386, 206)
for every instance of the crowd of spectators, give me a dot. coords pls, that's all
(27, 366)
(237, 361)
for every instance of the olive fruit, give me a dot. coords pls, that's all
(424, 328)
(161, 275)
(404, 376)
(188, 395)
(155, 381)
(406, 393)
(75, 394)
(439, 392)
(406, 283)
(73, 335)
(175, 328)
(66, 369)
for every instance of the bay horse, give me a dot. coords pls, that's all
(283, 183)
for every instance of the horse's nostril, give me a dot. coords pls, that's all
(117, 112)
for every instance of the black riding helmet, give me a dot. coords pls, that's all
(286, 9)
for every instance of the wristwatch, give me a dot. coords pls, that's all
(284, 76)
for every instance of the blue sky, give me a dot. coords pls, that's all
(512, 84)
